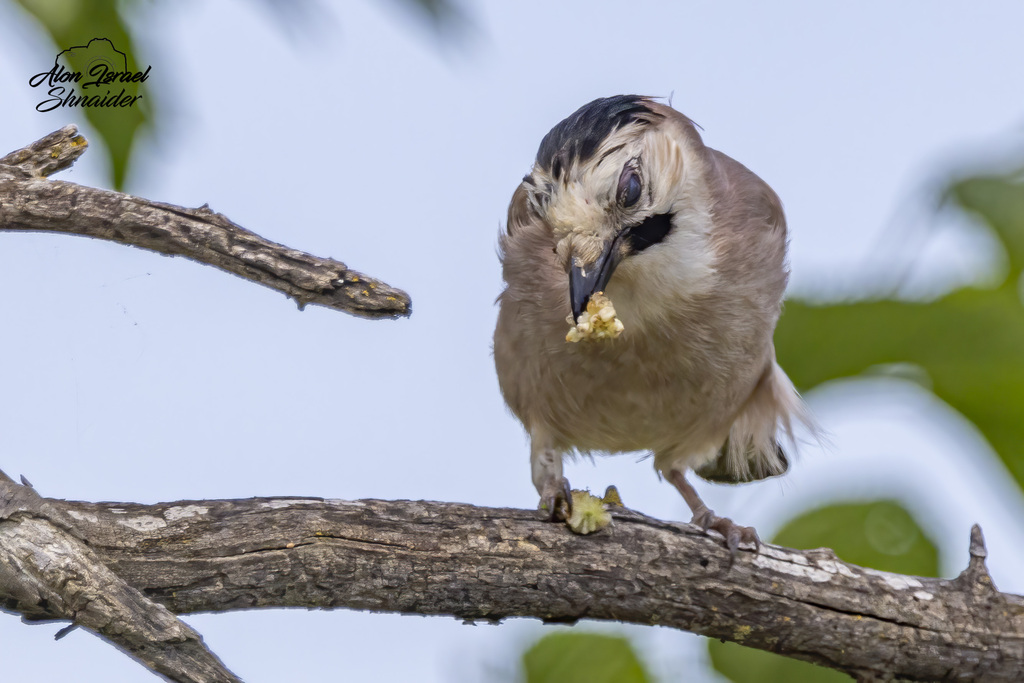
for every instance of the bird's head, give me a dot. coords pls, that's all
(615, 181)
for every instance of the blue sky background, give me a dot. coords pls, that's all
(353, 133)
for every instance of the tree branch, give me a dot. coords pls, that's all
(28, 201)
(489, 564)
(47, 572)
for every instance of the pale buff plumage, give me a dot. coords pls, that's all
(692, 377)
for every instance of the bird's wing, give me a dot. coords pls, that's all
(752, 450)
(719, 471)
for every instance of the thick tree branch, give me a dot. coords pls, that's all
(489, 564)
(48, 572)
(28, 201)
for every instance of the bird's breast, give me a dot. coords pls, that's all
(656, 388)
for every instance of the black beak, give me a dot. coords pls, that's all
(583, 282)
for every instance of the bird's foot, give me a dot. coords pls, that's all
(734, 533)
(556, 499)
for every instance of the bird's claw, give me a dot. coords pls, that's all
(733, 533)
(556, 498)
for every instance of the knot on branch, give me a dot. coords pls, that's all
(975, 578)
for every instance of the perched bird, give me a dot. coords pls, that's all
(690, 246)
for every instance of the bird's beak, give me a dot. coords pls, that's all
(593, 277)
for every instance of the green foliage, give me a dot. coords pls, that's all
(747, 665)
(970, 343)
(881, 535)
(75, 22)
(71, 23)
(999, 201)
(574, 657)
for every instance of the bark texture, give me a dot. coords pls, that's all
(48, 571)
(29, 201)
(476, 563)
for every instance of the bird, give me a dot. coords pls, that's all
(624, 199)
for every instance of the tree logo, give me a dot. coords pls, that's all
(97, 69)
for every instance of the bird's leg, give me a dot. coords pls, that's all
(546, 464)
(706, 518)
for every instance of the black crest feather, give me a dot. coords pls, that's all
(577, 138)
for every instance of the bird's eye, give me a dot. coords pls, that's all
(629, 187)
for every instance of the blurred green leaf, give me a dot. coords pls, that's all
(881, 535)
(970, 343)
(999, 201)
(747, 665)
(583, 658)
(72, 23)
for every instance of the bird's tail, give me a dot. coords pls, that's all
(752, 451)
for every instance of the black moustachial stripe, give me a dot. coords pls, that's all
(577, 138)
(651, 231)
